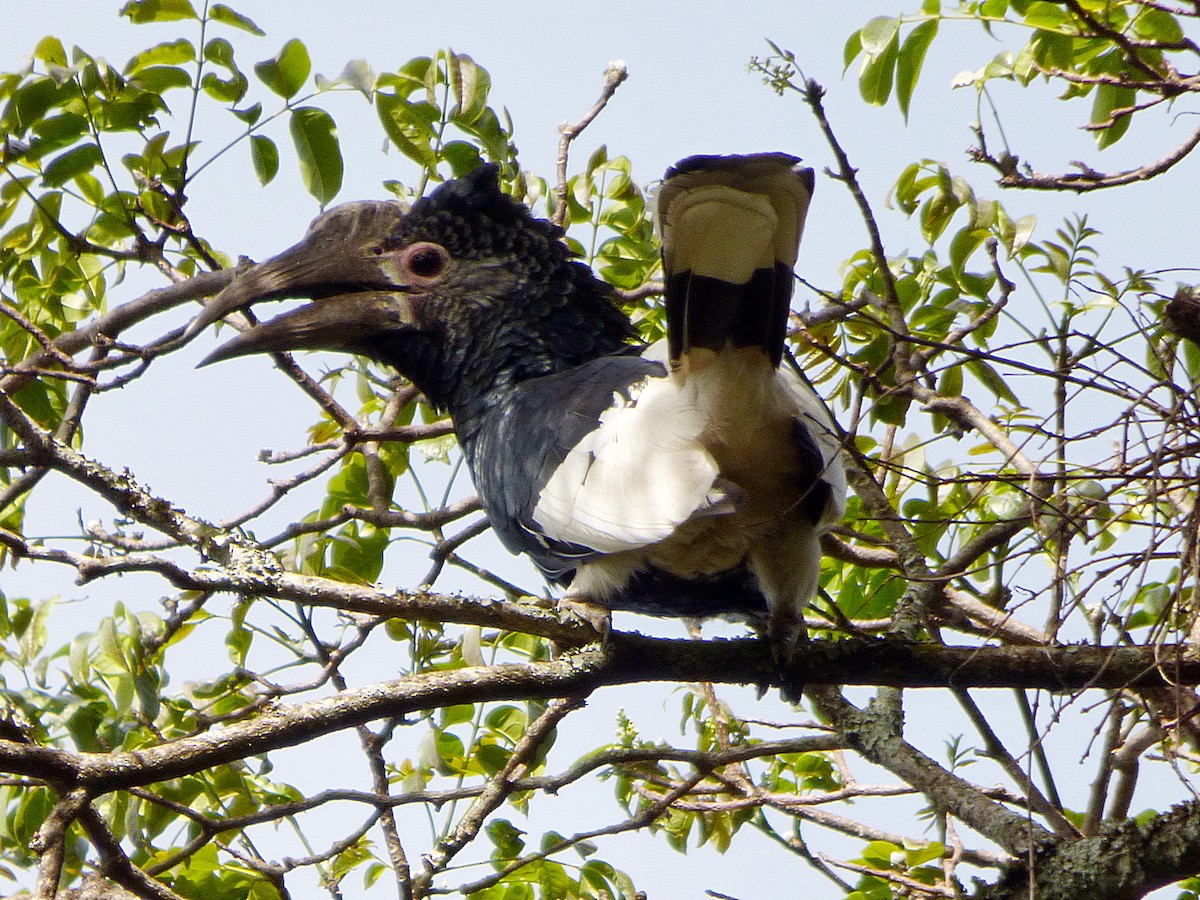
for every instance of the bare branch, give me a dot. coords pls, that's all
(50, 841)
(613, 76)
(118, 320)
(650, 814)
(994, 749)
(628, 658)
(1088, 179)
(495, 792)
(878, 743)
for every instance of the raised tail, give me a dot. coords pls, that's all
(730, 228)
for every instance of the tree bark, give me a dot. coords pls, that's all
(1125, 861)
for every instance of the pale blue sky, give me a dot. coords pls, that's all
(689, 92)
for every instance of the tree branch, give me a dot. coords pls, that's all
(118, 320)
(1088, 179)
(878, 742)
(613, 77)
(1126, 861)
(627, 659)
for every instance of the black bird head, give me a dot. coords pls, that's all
(465, 293)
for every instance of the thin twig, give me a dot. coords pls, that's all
(1089, 179)
(613, 76)
(498, 789)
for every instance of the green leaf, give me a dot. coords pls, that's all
(906, 190)
(1158, 25)
(287, 72)
(509, 720)
(220, 51)
(470, 84)
(143, 11)
(506, 838)
(963, 244)
(451, 754)
(74, 162)
(147, 685)
(461, 156)
(891, 410)
(1048, 50)
(352, 857)
(91, 190)
(992, 380)
(457, 714)
(50, 51)
(878, 69)
(880, 853)
(250, 114)
(878, 34)
(265, 155)
(315, 137)
(30, 103)
(875, 79)
(33, 636)
(130, 113)
(227, 90)
(56, 132)
(1049, 17)
(159, 79)
(357, 553)
(852, 49)
(910, 60)
(409, 126)
(222, 13)
(239, 638)
(950, 384)
(1111, 97)
(165, 54)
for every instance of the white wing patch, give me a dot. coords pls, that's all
(636, 477)
(652, 464)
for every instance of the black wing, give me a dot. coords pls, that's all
(526, 437)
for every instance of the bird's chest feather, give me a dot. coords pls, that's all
(748, 432)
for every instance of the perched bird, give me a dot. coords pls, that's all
(693, 477)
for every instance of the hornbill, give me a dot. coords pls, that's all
(693, 477)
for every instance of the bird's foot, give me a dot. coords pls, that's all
(598, 617)
(788, 639)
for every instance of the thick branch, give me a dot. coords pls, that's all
(1127, 860)
(877, 741)
(627, 659)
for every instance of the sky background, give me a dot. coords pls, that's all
(194, 436)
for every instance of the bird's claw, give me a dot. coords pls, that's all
(597, 617)
(787, 650)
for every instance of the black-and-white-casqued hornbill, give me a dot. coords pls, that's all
(693, 477)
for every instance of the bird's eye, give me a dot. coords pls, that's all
(425, 261)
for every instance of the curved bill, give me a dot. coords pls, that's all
(341, 322)
(341, 264)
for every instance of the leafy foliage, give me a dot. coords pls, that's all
(1130, 57)
(1024, 478)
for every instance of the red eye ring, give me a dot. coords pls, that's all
(425, 261)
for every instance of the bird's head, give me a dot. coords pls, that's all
(464, 292)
